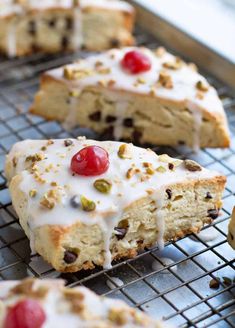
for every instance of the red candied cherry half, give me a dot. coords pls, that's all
(90, 161)
(25, 314)
(136, 62)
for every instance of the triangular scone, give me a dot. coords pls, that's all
(231, 230)
(59, 306)
(51, 26)
(169, 104)
(143, 199)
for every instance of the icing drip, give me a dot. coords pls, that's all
(71, 119)
(78, 35)
(11, 39)
(206, 235)
(197, 117)
(121, 107)
(114, 283)
(156, 266)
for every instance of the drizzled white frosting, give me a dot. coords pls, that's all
(109, 207)
(184, 80)
(58, 309)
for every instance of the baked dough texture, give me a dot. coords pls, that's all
(73, 308)
(231, 230)
(170, 104)
(52, 26)
(145, 199)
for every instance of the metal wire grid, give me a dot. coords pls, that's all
(179, 291)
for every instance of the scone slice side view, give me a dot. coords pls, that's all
(53, 26)
(76, 222)
(165, 103)
(51, 304)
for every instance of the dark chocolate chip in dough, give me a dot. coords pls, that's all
(128, 122)
(32, 28)
(214, 213)
(120, 233)
(115, 43)
(52, 22)
(136, 136)
(69, 23)
(171, 166)
(110, 119)
(108, 133)
(70, 257)
(96, 116)
(208, 195)
(169, 193)
(64, 42)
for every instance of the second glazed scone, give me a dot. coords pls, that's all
(34, 303)
(84, 203)
(138, 95)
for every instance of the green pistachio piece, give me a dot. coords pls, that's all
(87, 204)
(103, 185)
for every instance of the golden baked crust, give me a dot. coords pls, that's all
(163, 117)
(231, 230)
(186, 205)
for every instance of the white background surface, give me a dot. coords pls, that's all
(210, 21)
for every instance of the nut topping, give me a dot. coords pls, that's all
(87, 204)
(103, 186)
(125, 151)
(165, 80)
(202, 86)
(192, 165)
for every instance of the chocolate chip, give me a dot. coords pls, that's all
(171, 166)
(136, 136)
(214, 283)
(69, 23)
(107, 133)
(32, 28)
(169, 193)
(128, 122)
(120, 233)
(115, 43)
(64, 42)
(52, 22)
(181, 142)
(96, 117)
(68, 142)
(214, 213)
(75, 201)
(110, 119)
(70, 257)
(208, 195)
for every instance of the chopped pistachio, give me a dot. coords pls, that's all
(111, 83)
(150, 170)
(102, 83)
(50, 142)
(141, 80)
(47, 202)
(14, 161)
(76, 73)
(173, 64)
(130, 173)
(202, 86)
(87, 204)
(164, 158)
(117, 316)
(43, 148)
(124, 151)
(104, 70)
(98, 63)
(54, 184)
(200, 95)
(32, 193)
(35, 158)
(193, 67)
(74, 93)
(165, 80)
(160, 52)
(192, 165)
(161, 169)
(103, 186)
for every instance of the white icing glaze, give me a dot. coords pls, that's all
(114, 283)
(156, 265)
(206, 235)
(184, 80)
(109, 208)
(58, 309)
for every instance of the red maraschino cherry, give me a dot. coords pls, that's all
(25, 314)
(90, 161)
(136, 62)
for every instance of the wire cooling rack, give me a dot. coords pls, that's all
(177, 290)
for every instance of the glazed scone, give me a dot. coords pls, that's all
(53, 305)
(167, 103)
(130, 200)
(52, 26)
(231, 230)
